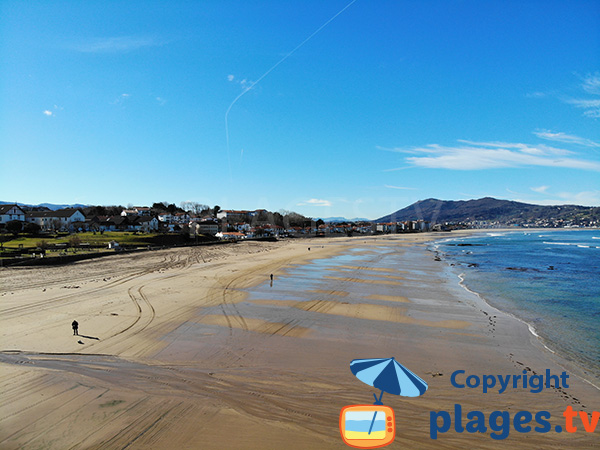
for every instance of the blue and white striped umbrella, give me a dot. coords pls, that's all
(389, 376)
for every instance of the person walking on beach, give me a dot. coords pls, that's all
(75, 326)
(271, 277)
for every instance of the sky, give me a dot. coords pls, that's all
(336, 108)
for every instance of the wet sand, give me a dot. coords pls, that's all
(194, 348)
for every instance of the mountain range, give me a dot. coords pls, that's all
(490, 210)
(50, 206)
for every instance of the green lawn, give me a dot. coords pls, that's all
(123, 238)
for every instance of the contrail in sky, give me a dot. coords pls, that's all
(254, 83)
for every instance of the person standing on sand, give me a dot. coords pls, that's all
(75, 326)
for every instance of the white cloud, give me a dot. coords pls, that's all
(591, 83)
(539, 149)
(540, 189)
(120, 99)
(48, 113)
(536, 95)
(566, 138)
(400, 187)
(120, 44)
(493, 155)
(244, 83)
(591, 106)
(584, 198)
(315, 202)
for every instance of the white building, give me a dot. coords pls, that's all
(238, 215)
(145, 223)
(62, 219)
(11, 212)
(137, 211)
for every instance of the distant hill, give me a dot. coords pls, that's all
(342, 219)
(489, 209)
(54, 207)
(51, 206)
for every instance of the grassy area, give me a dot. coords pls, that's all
(27, 242)
(123, 238)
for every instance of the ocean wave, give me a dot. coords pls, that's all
(572, 244)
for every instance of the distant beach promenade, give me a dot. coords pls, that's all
(197, 348)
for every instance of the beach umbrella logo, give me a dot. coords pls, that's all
(373, 426)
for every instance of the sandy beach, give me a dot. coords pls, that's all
(194, 348)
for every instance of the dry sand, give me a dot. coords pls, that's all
(174, 354)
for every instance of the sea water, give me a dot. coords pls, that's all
(550, 279)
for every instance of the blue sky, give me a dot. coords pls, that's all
(330, 108)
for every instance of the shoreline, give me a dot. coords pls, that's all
(577, 367)
(214, 343)
(563, 361)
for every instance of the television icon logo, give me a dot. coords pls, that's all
(367, 426)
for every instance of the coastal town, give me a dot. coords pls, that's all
(198, 221)
(210, 222)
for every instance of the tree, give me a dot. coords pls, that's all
(31, 228)
(55, 225)
(193, 207)
(199, 207)
(74, 241)
(295, 220)
(278, 219)
(159, 206)
(216, 209)
(95, 211)
(14, 226)
(43, 244)
(263, 217)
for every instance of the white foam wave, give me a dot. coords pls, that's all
(572, 244)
